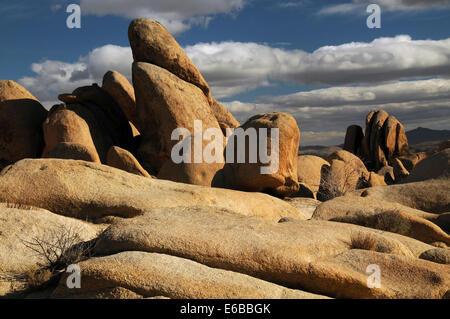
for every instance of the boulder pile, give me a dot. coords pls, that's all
(94, 183)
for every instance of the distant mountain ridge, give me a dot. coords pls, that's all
(424, 135)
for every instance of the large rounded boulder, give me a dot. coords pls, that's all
(263, 156)
(21, 117)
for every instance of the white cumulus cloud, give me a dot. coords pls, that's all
(236, 67)
(176, 15)
(55, 77)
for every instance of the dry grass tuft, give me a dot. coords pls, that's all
(363, 241)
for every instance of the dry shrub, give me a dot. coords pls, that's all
(363, 241)
(60, 248)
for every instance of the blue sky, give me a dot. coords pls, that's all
(317, 60)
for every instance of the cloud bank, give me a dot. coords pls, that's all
(236, 67)
(409, 78)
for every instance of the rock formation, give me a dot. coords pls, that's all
(208, 229)
(383, 140)
(21, 117)
(281, 162)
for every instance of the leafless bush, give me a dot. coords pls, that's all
(60, 248)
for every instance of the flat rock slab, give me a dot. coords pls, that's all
(431, 196)
(151, 274)
(90, 190)
(388, 216)
(287, 253)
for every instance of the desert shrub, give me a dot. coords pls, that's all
(363, 241)
(60, 248)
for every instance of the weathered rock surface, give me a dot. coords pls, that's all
(376, 180)
(316, 256)
(89, 190)
(18, 226)
(385, 139)
(166, 103)
(150, 274)
(395, 140)
(123, 93)
(21, 117)
(122, 159)
(10, 90)
(407, 277)
(309, 171)
(351, 160)
(437, 255)
(223, 116)
(281, 176)
(66, 127)
(386, 216)
(431, 196)
(152, 43)
(436, 166)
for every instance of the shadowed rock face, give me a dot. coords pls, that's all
(123, 93)
(353, 139)
(21, 117)
(90, 117)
